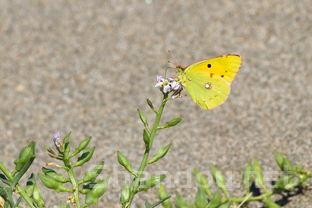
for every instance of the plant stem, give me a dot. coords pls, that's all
(75, 184)
(249, 199)
(136, 180)
(6, 172)
(24, 195)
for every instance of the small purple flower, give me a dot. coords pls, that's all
(57, 139)
(166, 88)
(175, 86)
(167, 85)
(159, 81)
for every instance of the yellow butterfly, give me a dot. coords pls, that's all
(209, 82)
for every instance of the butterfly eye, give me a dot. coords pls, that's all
(209, 65)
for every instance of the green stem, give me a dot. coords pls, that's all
(250, 199)
(75, 184)
(24, 195)
(6, 172)
(136, 180)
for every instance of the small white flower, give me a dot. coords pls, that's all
(175, 86)
(166, 88)
(159, 81)
(167, 85)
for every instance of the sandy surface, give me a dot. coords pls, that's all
(85, 66)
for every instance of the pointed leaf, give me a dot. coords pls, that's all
(22, 164)
(85, 157)
(125, 195)
(151, 182)
(160, 154)
(53, 184)
(269, 203)
(248, 177)
(93, 173)
(26, 154)
(83, 144)
(142, 117)
(219, 179)
(54, 175)
(202, 182)
(259, 178)
(164, 195)
(125, 163)
(201, 199)
(97, 191)
(181, 202)
(283, 162)
(171, 123)
(147, 139)
(216, 201)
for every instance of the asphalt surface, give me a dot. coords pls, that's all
(85, 66)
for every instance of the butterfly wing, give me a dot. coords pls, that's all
(208, 82)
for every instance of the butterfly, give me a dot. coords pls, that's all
(208, 82)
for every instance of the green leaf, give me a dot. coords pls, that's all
(269, 203)
(87, 187)
(287, 182)
(164, 195)
(22, 164)
(171, 123)
(216, 200)
(125, 195)
(53, 184)
(33, 191)
(93, 173)
(151, 182)
(26, 154)
(30, 184)
(66, 153)
(202, 182)
(259, 178)
(97, 191)
(38, 197)
(201, 199)
(283, 162)
(181, 202)
(147, 139)
(142, 117)
(54, 175)
(225, 205)
(83, 145)
(125, 163)
(85, 157)
(160, 154)
(248, 177)
(219, 179)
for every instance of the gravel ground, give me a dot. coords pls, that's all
(85, 66)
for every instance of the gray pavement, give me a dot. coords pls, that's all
(85, 66)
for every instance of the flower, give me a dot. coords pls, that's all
(167, 85)
(57, 139)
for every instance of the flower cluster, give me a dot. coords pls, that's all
(57, 139)
(167, 85)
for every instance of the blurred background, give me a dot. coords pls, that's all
(85, 66)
